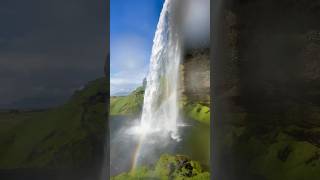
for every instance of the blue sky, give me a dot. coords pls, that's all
(132, 27)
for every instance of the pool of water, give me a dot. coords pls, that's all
(195, 143)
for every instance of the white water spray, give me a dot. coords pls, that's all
(160, 107)
(160, 112)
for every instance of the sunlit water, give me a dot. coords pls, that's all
(160, 108)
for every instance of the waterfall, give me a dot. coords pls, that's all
(160, 113)
(160, 107)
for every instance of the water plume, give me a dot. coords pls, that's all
(160, 114)
(160, 107)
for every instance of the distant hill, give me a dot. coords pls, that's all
(71, 135)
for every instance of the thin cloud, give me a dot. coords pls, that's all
(129, 63)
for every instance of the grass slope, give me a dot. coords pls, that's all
(127, 105)
(67, 136)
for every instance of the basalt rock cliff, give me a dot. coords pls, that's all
(266, 90)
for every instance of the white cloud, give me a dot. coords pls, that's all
(129, 63)
(124, 83)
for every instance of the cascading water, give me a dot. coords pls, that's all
(160, 107)
(160, 113)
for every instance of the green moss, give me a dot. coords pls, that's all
(197, 112)
(292, 160)
(276, 158)
(168, 167)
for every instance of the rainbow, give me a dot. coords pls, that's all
(136, 153)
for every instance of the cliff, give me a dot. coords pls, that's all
(267, 90)
(195, 76)
(195, 85)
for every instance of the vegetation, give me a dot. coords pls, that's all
(289, 159)
(127, 105)
(168, 167)
(197, 111)
(274, 153)
(68, 136)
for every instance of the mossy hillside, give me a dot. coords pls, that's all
(289, 160)
(168, 167)
(127, 105)
(67, 136)
(197, 111)
(283, 153)
(294, 154)
(9, 120)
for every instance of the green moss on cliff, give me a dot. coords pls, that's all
(168, 167)
(288, 159)
(275, 155)
(197, 112)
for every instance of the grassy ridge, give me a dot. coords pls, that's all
(127, 105)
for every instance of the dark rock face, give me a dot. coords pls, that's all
(267, 84)
(196, 75)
